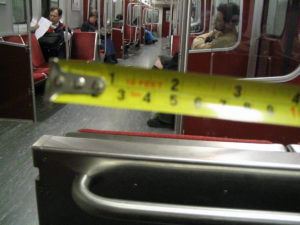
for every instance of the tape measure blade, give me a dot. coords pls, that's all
(187, 94)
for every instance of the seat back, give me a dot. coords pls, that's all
(14, 39)
(37, 54)
(84, 46)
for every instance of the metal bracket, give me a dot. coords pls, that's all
(67, 83)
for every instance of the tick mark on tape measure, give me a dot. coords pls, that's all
(198, 102)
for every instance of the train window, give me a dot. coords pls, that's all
(225, 28)
(47, 5)
(54, 3)
(197, 12)
(129, 14)
(148, 16)
(136, 16)
(19, 11)
(155, 16)
(117, 10)
(276, 18)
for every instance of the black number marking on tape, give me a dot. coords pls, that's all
(173, 100)
(223, 101)
(238, 92)
(270, 109)
(147, 97)
(296, 98)
(121, 97)
(112, 78)
(175, 82)
(247, 105)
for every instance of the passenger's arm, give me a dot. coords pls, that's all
(199, 42)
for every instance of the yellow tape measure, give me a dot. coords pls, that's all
(177, 93)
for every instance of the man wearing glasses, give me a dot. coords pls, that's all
(52, 43)
(55, 17)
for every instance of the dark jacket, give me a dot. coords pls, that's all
(88, 27)
(60, 29)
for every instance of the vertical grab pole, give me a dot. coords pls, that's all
(30, 59)
(66, 33)
(123, 29)
(183, 53)
(99, 27)
(105, 25)
(170, 23)
(111, 19)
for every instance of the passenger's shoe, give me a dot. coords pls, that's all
(154, 41)
(157, 123)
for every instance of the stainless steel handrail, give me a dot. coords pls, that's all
(97, 205)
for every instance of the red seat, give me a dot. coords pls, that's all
(14, 39)
(84, 46)
(39, 77)
(38, 60)
(1, 39)
(176, 136)
(76, 30)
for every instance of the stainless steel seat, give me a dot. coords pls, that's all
(102, 181)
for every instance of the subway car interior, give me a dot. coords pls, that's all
(76, 156)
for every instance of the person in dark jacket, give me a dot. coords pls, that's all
(91, 24)
(52, 43)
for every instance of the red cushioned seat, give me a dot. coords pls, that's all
(176, 136)
(84, 46)
(14, 39)
(39, 77)
(42, 69)
(38, 59)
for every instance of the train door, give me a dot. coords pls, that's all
(166, 22)
(279, 42)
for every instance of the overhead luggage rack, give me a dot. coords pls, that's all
(104, 181)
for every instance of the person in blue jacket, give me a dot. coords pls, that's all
(149, 38)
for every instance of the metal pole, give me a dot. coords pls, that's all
(32, 90)
(123, 29)
(170, 22)
(105, 25)
(183, 53)
(111, 19)
(66, 33)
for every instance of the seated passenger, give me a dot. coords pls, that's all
(92, 26)
(224, 35)
(149, 38)
(52, 43)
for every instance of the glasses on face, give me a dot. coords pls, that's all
(51, 15)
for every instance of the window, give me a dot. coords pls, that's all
(155, 16)
(54, 3)
(148, 17)
(19, 11)
(218, 39)
(196, 13)
(276, 17)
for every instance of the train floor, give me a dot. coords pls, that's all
(17, 174)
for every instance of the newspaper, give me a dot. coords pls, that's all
(44, 25)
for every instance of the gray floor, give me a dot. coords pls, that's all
(17, 174)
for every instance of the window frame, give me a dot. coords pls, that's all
(25, 14)
(226, 49)
(265, 23)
